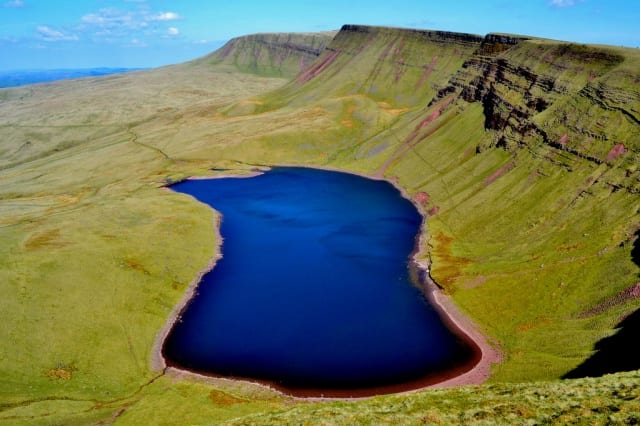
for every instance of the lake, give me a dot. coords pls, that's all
(313, 293)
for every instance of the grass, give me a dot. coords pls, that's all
(526, 237)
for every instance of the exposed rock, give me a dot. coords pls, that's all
(492, 44)
(581, 101)
(515, 86)
(617, 151)
(436, 36)
(422, 198)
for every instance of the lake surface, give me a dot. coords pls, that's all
(313, 291)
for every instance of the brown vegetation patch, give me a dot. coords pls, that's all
(60, 372)
(568, 247)
(446, 266)
(348, 122)
(67, 199)
(393, 111)
(530, 326)
(251, 102)
(135, 265)
(397, 111)
(224, 399)
(47, 239)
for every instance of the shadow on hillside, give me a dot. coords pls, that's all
(618, 352)
(615, 353)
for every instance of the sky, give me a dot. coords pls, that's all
(71, 34)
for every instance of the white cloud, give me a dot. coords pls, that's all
(15, 3)
(164, 16)
(52, 35)
(121, 23)
(565, 3)
(137, 43)
(113, 19)
(138, 26)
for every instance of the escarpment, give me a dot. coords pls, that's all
(272, 54)
(577, 99)
(384, 64)
(581, 101)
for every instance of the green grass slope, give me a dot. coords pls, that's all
(271, 54)
(94, 255)
(524, 152)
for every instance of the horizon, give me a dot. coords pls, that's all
(38, 35)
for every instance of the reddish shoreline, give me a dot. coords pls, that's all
(474, 370)
(158, 363)
(466, 329)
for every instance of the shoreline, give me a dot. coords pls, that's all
(474, 370)
(464, 328)
(158, 362)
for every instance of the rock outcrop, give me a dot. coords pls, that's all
(564, 95)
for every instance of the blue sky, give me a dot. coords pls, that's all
(41, 34)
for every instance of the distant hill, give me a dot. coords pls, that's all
(271, 54)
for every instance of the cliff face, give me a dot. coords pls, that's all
(564, 95)
(404, 66)
(538, 91)
(273, 55)
(582, 100)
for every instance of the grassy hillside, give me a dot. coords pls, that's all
(527, 149)
(272, 54)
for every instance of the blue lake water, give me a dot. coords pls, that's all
(313, 290)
